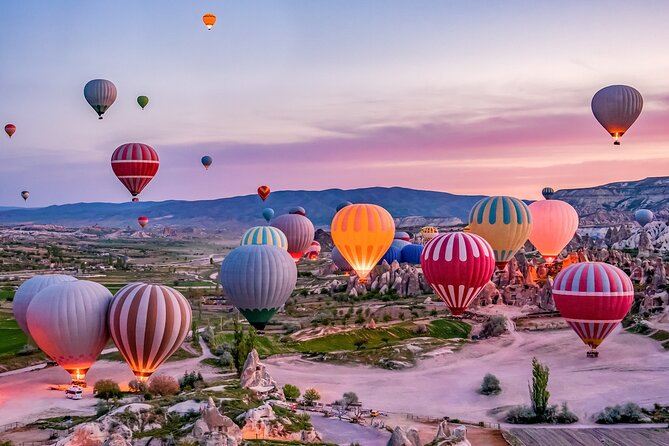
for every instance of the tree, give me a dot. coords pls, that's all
(106, 389)
(539, 393)
(242, 344)
(490, 385)
(137, 386)
(311, 396)
(359, 343)
(291, 392)
(349, 399)
(163, 385)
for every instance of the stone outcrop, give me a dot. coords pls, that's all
(213, 428)
(451, 436)
(256, 378)
(404, 437)
(263, 423)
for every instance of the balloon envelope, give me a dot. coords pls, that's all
(313, 251)
(427, 233)
(411, 253)
(10, 129)
(143, 101)
(340, 262)
(616, 107)
(299, 231)
(401, 235)
(25, 194)
(143, 221)
(399, 244)
(28, 290)
(135, 165)
(148, 323)
(457, 265)
(342, 205)
(258, 280)
(392, 253)
(263, 192)
(554, 224)
(100, 95)
(209, 20)
(268, 214)
(363, 233)
(265, 235)
(68, 321)
(547, 192)
(206, 161)
(505, 223)
(593, 298)
(644, 216)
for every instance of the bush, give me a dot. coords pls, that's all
(566, 416)
(420, 329)
(191, 380)
(163, 385)
(495, 326)
(137, 386)
(291, 392)
(311, 396)
(225, 359)
(490, 385)
(521, 415)
(106, 389)
(627, 413)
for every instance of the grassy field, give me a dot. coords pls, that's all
(7, 294)
(12, 339)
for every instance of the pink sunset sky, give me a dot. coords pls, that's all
(463, 97)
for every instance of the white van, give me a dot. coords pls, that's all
(74, 393)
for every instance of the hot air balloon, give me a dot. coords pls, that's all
(427, 233)
(616, 107)
(593, 298)
(209, 20)
(392, 253)
(298, 229)
(135, 165)
(68, 321)
(143, 221)
(399, 244)
(265, 235)
(401, 235)
(457, 265)
(268, 214)
(143, 101)
(100, 94)
(342, 205)
(263, 192)
(10, 129)
(314, 251)
(299, 210)
(363, 233)
(411, 253)
(25, 194)
(148, 323)
(29, 289)
(547, 192)
(340, 262)
(505, 223)
(644, 216)
(554, 224)
(206, 161)
(258, 280)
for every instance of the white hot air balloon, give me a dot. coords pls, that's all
(100, 95)
(29, 289)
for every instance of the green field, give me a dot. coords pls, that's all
(12, 339)
(6, 294)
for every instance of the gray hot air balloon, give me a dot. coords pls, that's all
(29, 289)
(298, 229)
(68, 321)
(340, 262)
(616, 107)
(258, 279)
(25, 194)
(100, 94)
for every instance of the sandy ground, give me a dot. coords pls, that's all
(630, 368)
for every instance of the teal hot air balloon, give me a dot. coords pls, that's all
(143, 101)
(100, 95)
(268, 214)
(206, 161)
(265, 235)
(258, 280)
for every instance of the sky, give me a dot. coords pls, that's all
(467, 97)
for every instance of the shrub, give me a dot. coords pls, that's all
(191, 380)
(494, 326)
(627, 413)
(566, 416)
(420, 329)
(311, 396)
(387, 318)
(359, 343)
(521, 415)
(348, 399)
(106, 389)
(291, 392)
(225, 359)
(137, 386)
(163, 385)
(490, 385)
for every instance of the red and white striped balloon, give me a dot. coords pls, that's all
(593, 297)
(457, 265)
(135, 165)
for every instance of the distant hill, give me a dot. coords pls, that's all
(416, 206)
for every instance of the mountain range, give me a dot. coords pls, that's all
(598, 206)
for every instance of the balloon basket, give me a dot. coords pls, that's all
(592, 354)
(616, 143)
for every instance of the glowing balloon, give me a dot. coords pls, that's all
(505, 223)
(24, 295)
(148, 323)
(209, 20)
(100, 95)
(457, 265)
(135, 165)
(593, 298)
(616, 107)
(206, 161)
(143, 101)
(10, 129)
(298, 229)
(547, 192)
(268, 214)
(143, 221)
(363, 233)
(263, 192)
(313, 251)
(265, 235)
(554, 224)
(644, 216)
(258, 280)
(25, 194)
(68, 321)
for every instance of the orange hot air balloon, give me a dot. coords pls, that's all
(10, 129)
(554, 224)
(363, 233)
(209, 20)
(263, 192)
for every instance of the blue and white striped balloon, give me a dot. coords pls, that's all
(265, 235)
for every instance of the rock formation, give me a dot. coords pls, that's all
(402, 437)
(214, 428)
(256, 378)
(451, 436)
(263, 423)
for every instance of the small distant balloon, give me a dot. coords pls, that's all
(268, 214)
(616, 107)
(263, 192)
(209, 20)
(644, 216)
(143, 101)
(299, 210)
(10, 129)
(100, 95)
(143, 221)
(548, 192)
(206, 161)
(25, 194)
(342, 205)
